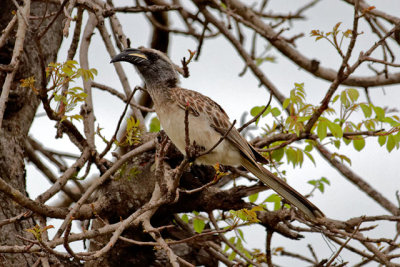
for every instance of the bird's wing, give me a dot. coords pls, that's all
(217, 117)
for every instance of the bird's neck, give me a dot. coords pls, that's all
(161, 83)
(159, 93)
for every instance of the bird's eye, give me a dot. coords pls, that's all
(152, 57)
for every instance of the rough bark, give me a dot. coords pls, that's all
(126, 193)
(19, 114)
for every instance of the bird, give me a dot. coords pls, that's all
(207, 122)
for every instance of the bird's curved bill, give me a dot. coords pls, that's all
(134, 56)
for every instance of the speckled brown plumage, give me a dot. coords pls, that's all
(216, 116)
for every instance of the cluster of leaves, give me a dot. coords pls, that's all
(37, 231)
(198, 222)
(320, 183)
(218, 172)
(275, 199)
(265, 57)
(132, 133)
(375, 120)
(235, 219)
(245, 216)
(60, 75)
(336, 128)
(333, 36)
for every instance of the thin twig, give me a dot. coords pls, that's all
(268, 249)
(87, 108)
(219, 141)
(141, 9)
(257, 116)
(343, 246)
(226, 241)
(114, 137)
(121, 96)
(60, 10)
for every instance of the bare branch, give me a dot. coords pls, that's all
(18, 47)
(6, 32)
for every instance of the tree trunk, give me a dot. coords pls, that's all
(19, 113)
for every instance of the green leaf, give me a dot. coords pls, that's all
(72, 62)
(353, 94)
(346, 141)
(278, 154)
(155, 125)
(253, 197)
(308, 154)
(67, 70)
(94, 71)
(198, 225)
(348, 160)
(359, 144)
(300, 157)
(286, 103)
(185, 218)
(336, 143)
(366, 110)
(324, 180)
(382, 140)
(391, 142)
(335, 129)
(276, 199)
(232, 256)
(397, 139)
(308, 147)
(321, 187)
(390, 121)
(343, 99)
(291, 156)
(322, 129)
(240, 232)
(312, 182)
(275, 112)
(335, 99)
(255, 111)
(380, 112)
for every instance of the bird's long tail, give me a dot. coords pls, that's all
(283, 189)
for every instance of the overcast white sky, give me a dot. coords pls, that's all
(216, 75)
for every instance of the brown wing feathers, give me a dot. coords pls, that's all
(219, 120)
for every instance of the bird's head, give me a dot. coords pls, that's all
(154, 66)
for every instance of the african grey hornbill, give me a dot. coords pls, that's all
(207, 123)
